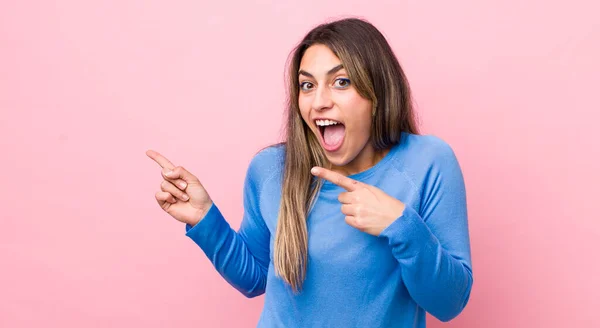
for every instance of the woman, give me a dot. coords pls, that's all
(355, 220)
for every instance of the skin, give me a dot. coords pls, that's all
(367, 208)
(326, 92)
(182, 195)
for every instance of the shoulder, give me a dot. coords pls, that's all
(427, 147)
(431, 167)
(424, 153)
(267, 162)
(424, 149)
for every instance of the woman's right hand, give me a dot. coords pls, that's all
(182, 195)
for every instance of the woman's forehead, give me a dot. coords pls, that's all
(319, 60)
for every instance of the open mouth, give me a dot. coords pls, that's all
(332, 134)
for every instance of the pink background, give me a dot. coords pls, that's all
(85, 89)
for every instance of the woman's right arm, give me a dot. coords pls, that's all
(241, 257)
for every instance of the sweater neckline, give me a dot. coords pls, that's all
(364, 175)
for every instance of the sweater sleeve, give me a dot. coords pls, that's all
(433, 246)
(242, 257)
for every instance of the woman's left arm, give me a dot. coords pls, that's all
(432, 245)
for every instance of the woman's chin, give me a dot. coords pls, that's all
(339, 158)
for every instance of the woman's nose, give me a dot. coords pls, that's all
(322, 99)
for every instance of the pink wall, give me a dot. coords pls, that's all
(85, 89)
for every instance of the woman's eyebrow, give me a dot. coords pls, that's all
(331, 71)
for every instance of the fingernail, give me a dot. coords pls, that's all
(185, 197)
(314, 170)
(182, 185)
(169, 173)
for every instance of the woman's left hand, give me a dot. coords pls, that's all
(367, 208)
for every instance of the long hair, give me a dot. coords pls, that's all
(377, 76)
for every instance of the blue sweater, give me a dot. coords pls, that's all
(420, 263)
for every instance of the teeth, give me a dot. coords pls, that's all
(325, 122)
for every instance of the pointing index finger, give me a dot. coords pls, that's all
(160, 159)
(336, 178)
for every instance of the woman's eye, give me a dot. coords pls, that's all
(306, 86)
(342, 83)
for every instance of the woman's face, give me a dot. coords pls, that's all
(334, 111)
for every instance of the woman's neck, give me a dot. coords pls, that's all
(365, 160)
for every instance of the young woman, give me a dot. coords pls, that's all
(355, 220)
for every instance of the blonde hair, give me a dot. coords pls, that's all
(376, 74)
